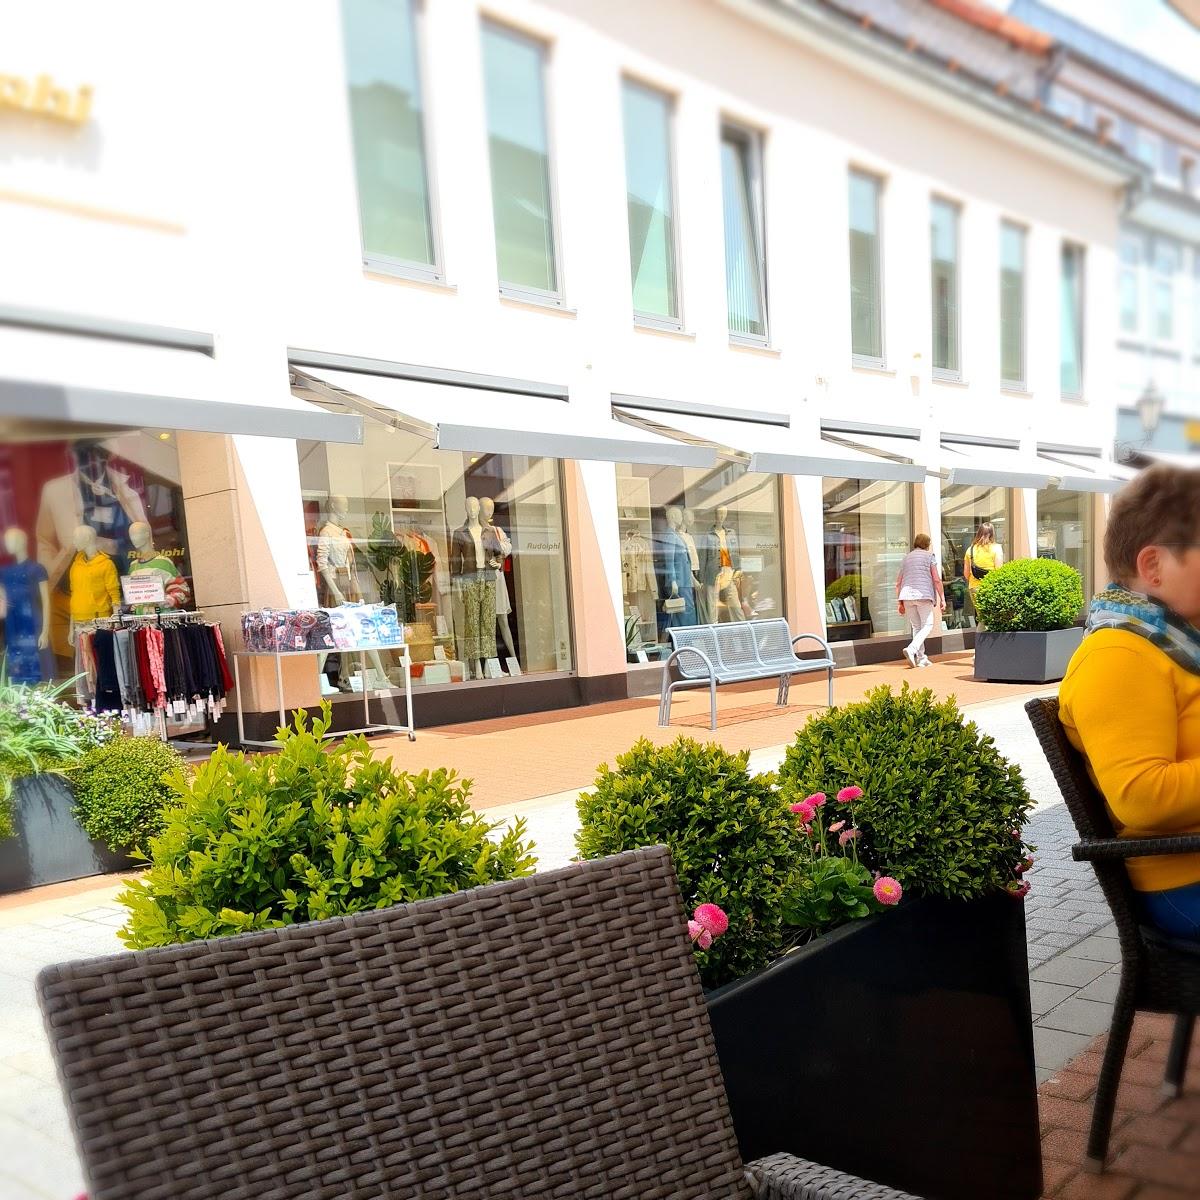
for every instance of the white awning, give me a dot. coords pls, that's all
(57, 378)
(1190, 461)
(469, 417)
(1085, 471)
(1000, 464)
(771, 446)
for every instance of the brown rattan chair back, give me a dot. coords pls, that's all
(545, 1037)
(1088, 812)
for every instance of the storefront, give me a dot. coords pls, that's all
(966, 507)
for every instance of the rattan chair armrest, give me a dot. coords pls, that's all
(1121, 848)
(784, 1177)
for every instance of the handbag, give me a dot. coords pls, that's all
(673, 604)
(977, 572)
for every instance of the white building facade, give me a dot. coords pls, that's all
(707, 308)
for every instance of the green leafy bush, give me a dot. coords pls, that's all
(1030, 594)
(940, 804)
(734, 844)
(847, 585)
(311, 832)
(121, 789)
(38, 733)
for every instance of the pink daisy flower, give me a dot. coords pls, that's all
(847, 836)
(712, 918)
(847, 794)
(836, 826)
(817, 799)
(1018, 891)
(887, 890)
(804, 810)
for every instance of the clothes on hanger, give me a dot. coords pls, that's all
(637, 565)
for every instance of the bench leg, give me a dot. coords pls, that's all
(664, 706)
(712, 701)
(829, 672)
(785, 685)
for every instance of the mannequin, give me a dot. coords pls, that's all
(689, 522)
(475, 554)
(95, 588)
(487, 509)
(717, 567)
(144, 559)
(676, 569)
(25, 607)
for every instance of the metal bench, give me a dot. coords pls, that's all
(737, 652)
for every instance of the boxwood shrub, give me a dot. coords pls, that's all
(941, 808)
(732, 840)
(310, 832)
(1030, 594)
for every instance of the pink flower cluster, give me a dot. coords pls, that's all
(707, 924)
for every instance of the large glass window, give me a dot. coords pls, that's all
(745, 260)
(868, 531)
(697, 547)
(1129, 282)
(469, 547)
(964, 508)
(1071, 320)
(91, 525)
(1162, 289)
(1064, 531)
(1012, 304)
(388, 123)
(651, 200)
(519, 148)
(945, 283)
(866, 290)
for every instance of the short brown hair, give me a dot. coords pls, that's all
(1161, 507)
(921, 541)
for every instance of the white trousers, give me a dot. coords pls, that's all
(920, 620)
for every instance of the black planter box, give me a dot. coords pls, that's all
(49, 846)
(898, 1048)
(1025, 657)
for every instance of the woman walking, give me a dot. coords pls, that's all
(918, 589)
(985, 554)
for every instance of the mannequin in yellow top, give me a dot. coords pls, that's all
(1131, 696)
(95, 587)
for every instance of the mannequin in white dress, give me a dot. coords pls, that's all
(487, 511)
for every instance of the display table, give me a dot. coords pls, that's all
(367, 727)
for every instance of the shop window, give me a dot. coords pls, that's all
(93, 526)
(388, 122)
(964, 508)
(868, 531)
(697, 547)
(469, 547)
(1064, 530)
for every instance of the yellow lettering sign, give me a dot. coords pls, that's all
(43, 98)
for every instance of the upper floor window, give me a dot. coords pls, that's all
(1071, 320)
(1147, 149)
(519, 151)
(1165, 266)
(745, 255)
(866, 277)
(388, 127)
(1129, 282)
(945, 288)
(651, 202)
(1012, 304)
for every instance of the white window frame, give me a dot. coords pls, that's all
(1018, 385)
(867, 360)
(654, 320)
(1081, 279)
(385, 264)
(511, 291)
(754, 142)
(948, 374)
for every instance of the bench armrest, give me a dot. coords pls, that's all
(784, 1177)
(814, 637)
(1109, 849)
(690, 650)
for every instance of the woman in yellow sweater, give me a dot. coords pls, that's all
(1131, 697)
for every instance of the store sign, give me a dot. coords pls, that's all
(143, 589)
(40, 97)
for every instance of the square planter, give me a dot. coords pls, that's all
(1025, 657)
(50, 846)
(898, 1048)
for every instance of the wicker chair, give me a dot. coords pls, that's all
(1158, 974)
(546, 1037)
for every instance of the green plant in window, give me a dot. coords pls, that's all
(308, 833)
(847, 585)
(403, 573)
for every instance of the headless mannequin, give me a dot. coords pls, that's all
(87, 544)
(487, 510)
(723, 587)
(685, 528)
(678, 570)
(146, 559)
(473, 561)
(16, 542)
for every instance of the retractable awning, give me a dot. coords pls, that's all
(464, 414)
(54, 378)
(992, 463)
(763, 442)
(1086, 471)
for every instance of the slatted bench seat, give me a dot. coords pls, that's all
(737, 652)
